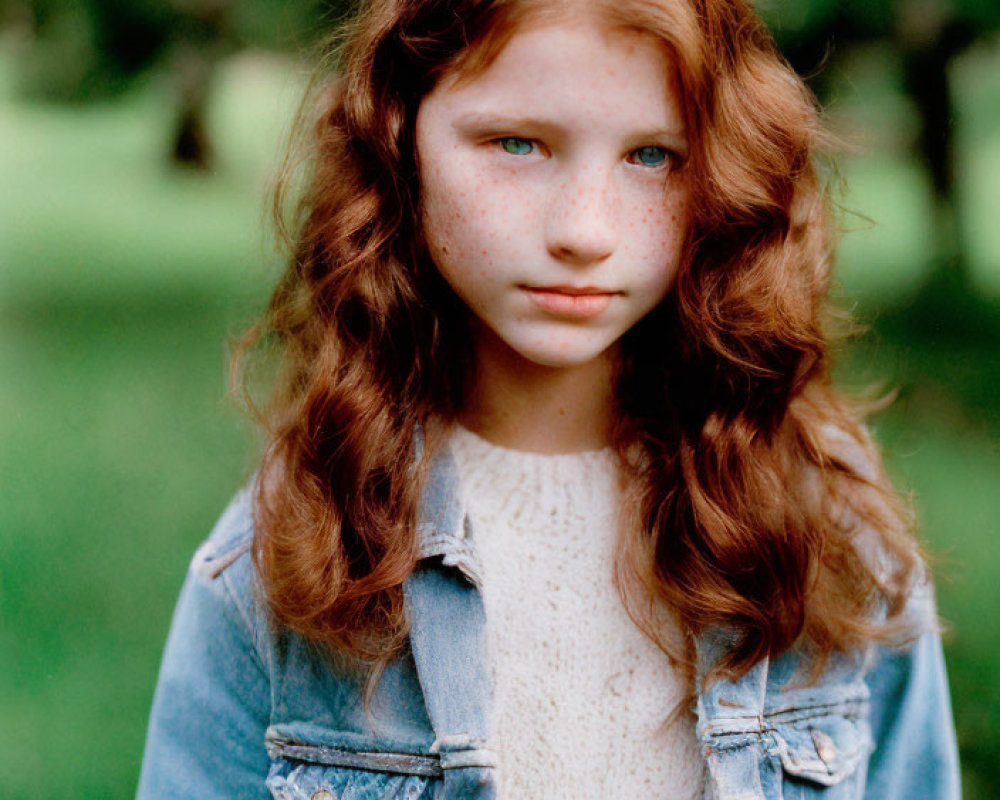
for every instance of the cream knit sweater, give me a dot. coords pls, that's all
(579, 692)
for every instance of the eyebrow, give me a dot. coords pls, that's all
(505, 122)
(490, 121)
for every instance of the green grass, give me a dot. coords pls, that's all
(120, 281)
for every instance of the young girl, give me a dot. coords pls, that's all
(559, 500)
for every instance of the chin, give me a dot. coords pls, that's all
(560, 357)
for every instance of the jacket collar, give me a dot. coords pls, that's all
(443, 527)
(448, 637)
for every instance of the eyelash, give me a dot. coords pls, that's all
(668, 157)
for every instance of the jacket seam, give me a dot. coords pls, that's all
(258, 656)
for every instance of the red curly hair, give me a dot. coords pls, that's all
(745, 459)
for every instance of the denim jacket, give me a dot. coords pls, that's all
(244, 708)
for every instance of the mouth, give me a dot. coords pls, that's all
(575, 302)
(576, 291)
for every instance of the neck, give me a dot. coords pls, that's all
(518, 404)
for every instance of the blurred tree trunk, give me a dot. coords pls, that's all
(200, 42)
(192, 79)
(929, 38)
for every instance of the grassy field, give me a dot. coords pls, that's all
(120, 282)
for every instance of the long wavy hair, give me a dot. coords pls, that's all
(754, 481)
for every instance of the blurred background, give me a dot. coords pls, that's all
(137, 142)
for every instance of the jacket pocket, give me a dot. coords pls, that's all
(824, 750)
(311, 772)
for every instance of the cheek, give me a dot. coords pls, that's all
(445, 215)
(657, 231)
(472, 220)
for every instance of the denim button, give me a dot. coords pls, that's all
(322, 794)
(825, 747)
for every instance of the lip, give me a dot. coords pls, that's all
(573, 302)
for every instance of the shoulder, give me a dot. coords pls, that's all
(849, 483)
(859, 499)
(856, 450)
(213, 697)
(230, 539)
(223, 567)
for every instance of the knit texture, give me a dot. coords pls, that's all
(580, 694)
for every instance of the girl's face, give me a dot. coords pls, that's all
(553, 203)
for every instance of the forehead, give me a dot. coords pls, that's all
(571, 68)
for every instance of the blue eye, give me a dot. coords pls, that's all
(650, 156)
(515, 146)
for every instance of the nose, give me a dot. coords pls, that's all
(582, 224)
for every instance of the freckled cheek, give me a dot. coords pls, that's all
(490, 222)
(478, 222)
(654, 236)
(667, 216)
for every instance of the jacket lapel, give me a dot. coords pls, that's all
(447, 638)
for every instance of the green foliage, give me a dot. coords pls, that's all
(82, 50)
(107, 44)
(870, 18)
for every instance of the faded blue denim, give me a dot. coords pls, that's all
(246, 709)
